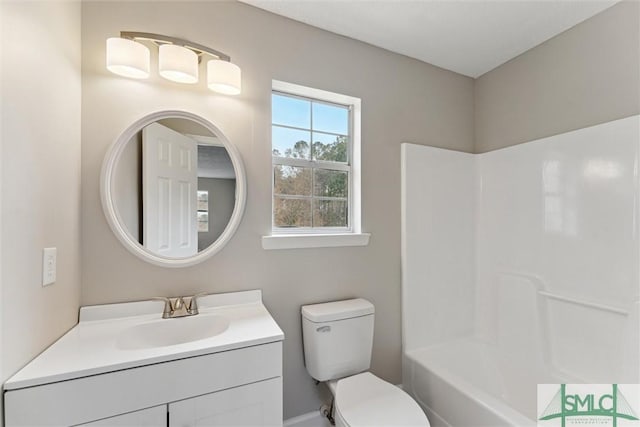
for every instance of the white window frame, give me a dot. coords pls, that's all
(286, 238)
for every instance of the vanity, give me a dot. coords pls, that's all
(124, 365)
(173, 190)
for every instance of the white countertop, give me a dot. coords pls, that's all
(90, 348)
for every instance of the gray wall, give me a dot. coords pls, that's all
(585, 76)
(222, 198)
(582, 77)
(403, 100)
(40, 175)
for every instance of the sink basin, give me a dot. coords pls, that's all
(166, 332)
(116, 337)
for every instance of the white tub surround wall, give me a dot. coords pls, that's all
(558, 223)
(438, 228)
(557, 271)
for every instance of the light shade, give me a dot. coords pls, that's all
(127, 58)
(224, 77)
(177, 63)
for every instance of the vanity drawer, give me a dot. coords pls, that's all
(257, 404)
(151, 417)
(90, 398)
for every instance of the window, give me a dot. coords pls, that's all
(316, 158)
(203, 211)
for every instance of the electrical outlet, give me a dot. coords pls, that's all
(49, 256)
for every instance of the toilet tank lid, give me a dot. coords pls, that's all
(337, 310)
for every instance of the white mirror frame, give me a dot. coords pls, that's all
(111, 213)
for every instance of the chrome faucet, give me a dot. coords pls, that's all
(179, 306)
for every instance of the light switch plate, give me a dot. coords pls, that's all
(49, 256)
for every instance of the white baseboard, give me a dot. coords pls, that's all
(304, 418)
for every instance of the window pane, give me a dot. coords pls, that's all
(330, 118)
(203, 200)
(203, 222)
(290, 143)
(330, 183)
(290, 111)
(291, 180)
(330, 213)
(291, 212)
(331, 148)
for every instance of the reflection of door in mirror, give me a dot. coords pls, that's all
(169, 184)
(180, 159)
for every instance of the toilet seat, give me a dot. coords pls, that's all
(365, 400)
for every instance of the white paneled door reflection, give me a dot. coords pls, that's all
(169, 187)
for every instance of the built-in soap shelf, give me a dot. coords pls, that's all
(561, 325)
(584, 302)
(541, 286)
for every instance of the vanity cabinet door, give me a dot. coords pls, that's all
(151, 417)
(257, 404)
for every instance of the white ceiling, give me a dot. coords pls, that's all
(469, 37)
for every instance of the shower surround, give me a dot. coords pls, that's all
(520, 266)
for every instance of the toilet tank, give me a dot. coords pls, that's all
(338, 337)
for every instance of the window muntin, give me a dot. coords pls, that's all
(312, 170)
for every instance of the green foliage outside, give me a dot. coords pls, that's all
(313, 183)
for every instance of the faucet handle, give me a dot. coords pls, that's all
(193, 302)
(178, 303)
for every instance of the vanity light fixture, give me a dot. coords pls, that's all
(178, 61)
(223, 77)
(127, 58)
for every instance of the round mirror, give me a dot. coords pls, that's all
(173, 188)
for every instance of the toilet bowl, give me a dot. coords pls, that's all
(338, 339)
(364, 400)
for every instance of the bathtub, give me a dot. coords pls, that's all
(466, 383)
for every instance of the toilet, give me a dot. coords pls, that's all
(338, 338)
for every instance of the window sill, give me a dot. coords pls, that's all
(301, 241)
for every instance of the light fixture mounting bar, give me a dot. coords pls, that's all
(159, 38)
